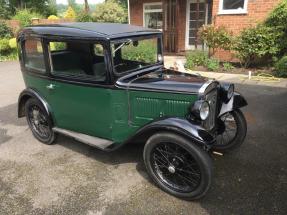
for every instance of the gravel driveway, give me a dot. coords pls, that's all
(73, 178)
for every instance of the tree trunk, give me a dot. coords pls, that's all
(87, 6)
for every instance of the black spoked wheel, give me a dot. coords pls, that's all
(232, 131)
(178, 166)
(39, 122)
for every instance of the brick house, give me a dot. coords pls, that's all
(180, 19)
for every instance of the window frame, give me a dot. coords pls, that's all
(152, 11)
(75, 78)
(232, 11)
(24, 56)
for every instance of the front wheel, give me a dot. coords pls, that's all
(232, 131)
(178, 166)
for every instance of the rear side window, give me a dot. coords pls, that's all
(34, 57)
(81, 61)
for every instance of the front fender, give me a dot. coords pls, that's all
(236, 102)
(180, 126)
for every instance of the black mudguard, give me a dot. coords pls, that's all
(30, 93)
(195, 133)
(239, 101)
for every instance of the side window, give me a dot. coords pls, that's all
(81, 61)
(34, 57)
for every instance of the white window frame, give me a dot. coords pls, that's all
(151, 10)
(232, 11)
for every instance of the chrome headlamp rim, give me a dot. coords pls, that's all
(230, 91)
(201, 109)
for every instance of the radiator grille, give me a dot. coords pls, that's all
(211, 98)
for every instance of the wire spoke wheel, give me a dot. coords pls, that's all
(38, 122)
(175, 166)
(228, 131)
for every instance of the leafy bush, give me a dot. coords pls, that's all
(212, 64)
(25, 17)
(195, 58)
(53, 17)
(227, 66)
(110, 11)
(256, 43)
(70, 13)
(84, 17)
(4, 46)
(281, 67)
(13, 43)
(5, 31)
(277, 20)
(215, 37)
(146, 51)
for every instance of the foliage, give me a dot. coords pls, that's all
(281, 67)
(6, 9)
(215, 37)
(195, 58)
(227, 66)
(70, 13)
(256, 43)
(4, 45)
(110, 11)
(25, 17)
(277, 20)
(53, 17)
(146, 51)
(5, 31)
(57, 46)
(212, 64)
(12, 55)
(13, 43)
(84, 17)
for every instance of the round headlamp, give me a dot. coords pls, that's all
(201, 109)
(227, 91)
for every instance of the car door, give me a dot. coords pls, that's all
(79, 95)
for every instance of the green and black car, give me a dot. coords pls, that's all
(106, 85)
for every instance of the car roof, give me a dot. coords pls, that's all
(90, 30)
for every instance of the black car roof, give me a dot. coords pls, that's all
(90, 30)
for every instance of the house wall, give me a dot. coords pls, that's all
(258, 10)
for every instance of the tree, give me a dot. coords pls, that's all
(110, 11)
(87, 6)
(6, 9)
(70, 13)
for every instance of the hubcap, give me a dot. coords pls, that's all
(171, 169)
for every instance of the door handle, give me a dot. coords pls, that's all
(51, 86)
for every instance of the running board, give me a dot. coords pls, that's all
(90, 140)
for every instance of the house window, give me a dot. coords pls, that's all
(233, 6)
(152, 15)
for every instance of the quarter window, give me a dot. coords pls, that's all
(34, 57)
(77, 60)
(153, 15)
(233, 6)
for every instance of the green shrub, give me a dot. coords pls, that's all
(13, 43)
(4, 46)
(110, 11)
(227, 66)
(212, 64)
(25, 17)
(281, 67)
(53, 17)
(146, 51)
(256, 43)
(84, 17)
(195, 58)
(215, 37)
(5, 31)
(277, 20)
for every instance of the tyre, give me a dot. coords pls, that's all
(39, 121)
(232, 131)
(178, 166)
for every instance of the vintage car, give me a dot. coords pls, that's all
(106, 85)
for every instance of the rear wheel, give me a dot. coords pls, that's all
(178, 166)
(39, 121)
(232, 131)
